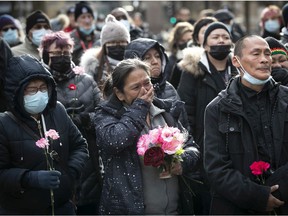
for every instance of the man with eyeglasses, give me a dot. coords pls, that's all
(37, 25)
(9, 30)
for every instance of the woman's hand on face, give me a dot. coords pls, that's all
(146, 95)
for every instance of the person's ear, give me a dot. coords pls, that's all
(235, 61)
(119, 94)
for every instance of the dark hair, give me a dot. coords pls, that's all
(198, 25)
(239, 45)
(120, 74)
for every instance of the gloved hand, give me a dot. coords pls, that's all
(42, 179)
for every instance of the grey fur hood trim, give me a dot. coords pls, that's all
(191, 58)
(89, 60)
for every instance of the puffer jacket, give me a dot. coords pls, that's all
(230, 149)
(117, 130)
(197, 88)
(18, 151)
(80, 104)
(163, 89)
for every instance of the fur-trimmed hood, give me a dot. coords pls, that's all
(191, 58)
(89, 60)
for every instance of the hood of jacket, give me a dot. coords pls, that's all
(20, 71)
(89, 60)
(139, 47)
(191, 58)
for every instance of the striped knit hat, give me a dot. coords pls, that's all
(276, 46)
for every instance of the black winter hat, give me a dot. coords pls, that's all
(223, 15)
(81, 8)
(36, 17)
(285, 14)
(276, 46)
(211, 27)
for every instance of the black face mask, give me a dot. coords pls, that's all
(116, 52)
(220, 52)
(61, 63)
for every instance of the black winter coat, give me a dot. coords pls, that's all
(18, 151)
(117, 131)
(230, 148)
(197, 87)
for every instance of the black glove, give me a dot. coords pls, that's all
(42, 179)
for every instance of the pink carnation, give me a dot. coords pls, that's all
(143, 144)
(52, 134)
(42, 143)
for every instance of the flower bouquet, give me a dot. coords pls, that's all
(161, 147)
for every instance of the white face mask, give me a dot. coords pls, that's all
(272, 25)
(249, 78)
(37, 36)
(36, 103)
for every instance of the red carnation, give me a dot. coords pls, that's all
(259, 167)
(154, 156)
(72, 87)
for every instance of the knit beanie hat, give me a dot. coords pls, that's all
(7, 20)
(211, 27)
(113, 30)
(276, 46)
(82, 8)
(285, 14)
(199, 24)
(36, 17)
(223, 15)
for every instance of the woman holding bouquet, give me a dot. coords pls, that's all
(129, 186)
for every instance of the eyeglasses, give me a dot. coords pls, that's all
(60, 53)
(34, 90)
(7, 28)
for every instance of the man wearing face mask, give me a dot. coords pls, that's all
(37, 25)
(85, 36)
(245, 123)
(206, 71)
(99, 62)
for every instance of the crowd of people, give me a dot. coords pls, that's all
(78, 98)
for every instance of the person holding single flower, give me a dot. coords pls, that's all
(245, 139)
(28, 175)
(130, 187)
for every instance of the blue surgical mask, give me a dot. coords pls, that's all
(252, 80)
(37, 36)
(272, 25)
(87, 31)
(126, 24)
(36, 103)
(11, 36)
